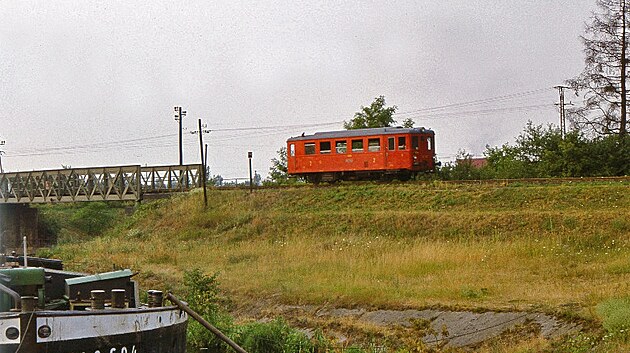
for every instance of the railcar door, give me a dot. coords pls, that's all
(415, 151)
(389, 151)
(291, 160)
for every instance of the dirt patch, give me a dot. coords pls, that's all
(434, 327)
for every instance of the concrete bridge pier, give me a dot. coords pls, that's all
(16, 222)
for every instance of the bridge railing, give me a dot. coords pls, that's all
(97, 184)
(172, 178)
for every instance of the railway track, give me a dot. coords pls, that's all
(498, 182)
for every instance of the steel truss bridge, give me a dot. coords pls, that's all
(120, 183)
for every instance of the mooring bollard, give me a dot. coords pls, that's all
(98, 299)
(28, 303)
(118, 298)
(155, 298)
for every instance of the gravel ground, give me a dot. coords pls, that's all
(444, 328)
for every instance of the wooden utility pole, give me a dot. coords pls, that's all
(563, 120)
(205, 156)
(1, 153)
(251, 180)
(203, 166)
(179, 116)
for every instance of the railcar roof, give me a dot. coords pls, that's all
(361, 132)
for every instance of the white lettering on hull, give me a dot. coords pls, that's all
(115, 350)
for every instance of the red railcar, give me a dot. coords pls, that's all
(379, 153)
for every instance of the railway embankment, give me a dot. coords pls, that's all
(560, 250)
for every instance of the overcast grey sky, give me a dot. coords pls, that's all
(100, 78)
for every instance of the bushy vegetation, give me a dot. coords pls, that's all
(203, 295)
(542, 152)
(64, 223)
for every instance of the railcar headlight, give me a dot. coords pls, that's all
(12, 333)
(44, 331)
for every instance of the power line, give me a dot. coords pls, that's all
(477, 102)
(278, 126)
(458, 114)
(100, 144)
(160, 141)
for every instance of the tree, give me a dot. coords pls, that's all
(257, 179)
(278, 172)
(216, 180)
(542, 152)
(376, 115)
(461, 169)
(603, 80)
(408, 123)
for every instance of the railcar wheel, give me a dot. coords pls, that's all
(404, 176)
(314, 178)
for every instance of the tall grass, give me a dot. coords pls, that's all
(391, 246)
(386, 244)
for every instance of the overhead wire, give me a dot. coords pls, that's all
(477, 102)
(162, 141)
(483, 112)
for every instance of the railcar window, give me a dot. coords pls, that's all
(374, 145)
(357, 145)
(341, 146)
(292, 148)
(429, 143)
(324, 147)
(402, 142)
(309, 148)
(391, 144)
(414, 142)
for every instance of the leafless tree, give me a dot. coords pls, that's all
(603, 81)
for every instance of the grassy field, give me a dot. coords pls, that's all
(556, 248)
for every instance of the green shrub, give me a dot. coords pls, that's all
(204, 297)
(93, 218)
(71, 222)
(273, 337)
(615, 314)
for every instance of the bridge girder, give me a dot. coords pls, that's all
(116, 183)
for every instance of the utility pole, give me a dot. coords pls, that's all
(563, 120)
(1, 153)
(205, 155)
(251, 180)
(179, 116)
(202, 130)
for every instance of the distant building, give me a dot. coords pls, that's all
(479, 162)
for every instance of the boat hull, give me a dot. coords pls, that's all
(142, 330)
